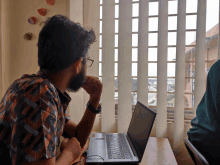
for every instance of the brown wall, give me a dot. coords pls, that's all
(23, 55)
(19, 56)
(7, 34)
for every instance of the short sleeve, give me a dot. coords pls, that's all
(35, 137)
(34, 141)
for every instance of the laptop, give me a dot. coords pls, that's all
(111, 148)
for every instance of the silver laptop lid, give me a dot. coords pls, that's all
(140, 127)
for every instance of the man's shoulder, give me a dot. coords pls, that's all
(32, 85)
(30, 90)
(37, 89)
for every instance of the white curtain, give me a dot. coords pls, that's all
(174, 132)
(108, 44)
(91, 20)
(180, 76)
(124, 65)
(161, 130)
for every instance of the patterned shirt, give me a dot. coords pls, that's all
(32, 118)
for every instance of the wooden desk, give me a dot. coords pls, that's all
(157, 152)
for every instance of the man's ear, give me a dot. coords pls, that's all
(78, 65)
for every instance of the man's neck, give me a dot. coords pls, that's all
(55, 80)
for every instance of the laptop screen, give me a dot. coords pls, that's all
(140, 127)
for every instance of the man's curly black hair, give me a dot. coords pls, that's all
(62, 42)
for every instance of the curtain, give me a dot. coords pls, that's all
(176, 131)
(91, 20)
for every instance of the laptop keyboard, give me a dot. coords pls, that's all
(117, 147)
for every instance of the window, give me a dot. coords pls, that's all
(190, 48)
(188, 73)
(212, 30)
(186, 103)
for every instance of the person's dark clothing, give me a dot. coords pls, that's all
(205, 131)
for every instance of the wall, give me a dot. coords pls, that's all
(6, 36)
(20, 55)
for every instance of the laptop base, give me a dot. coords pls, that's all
(137, 137)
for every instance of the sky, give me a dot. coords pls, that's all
(212, 18)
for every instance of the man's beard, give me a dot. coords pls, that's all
(77, 81)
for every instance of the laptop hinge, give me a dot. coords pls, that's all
(132, 147)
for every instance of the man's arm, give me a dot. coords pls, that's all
(93, 87)
(84, 127)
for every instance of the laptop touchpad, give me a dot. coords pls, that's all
(97, 145)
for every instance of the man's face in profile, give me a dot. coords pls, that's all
(78, 80)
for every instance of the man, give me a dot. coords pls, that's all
(33, 110)
(205, 133)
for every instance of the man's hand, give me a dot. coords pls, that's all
(93, 87)
(71, 147)
(65, 143)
